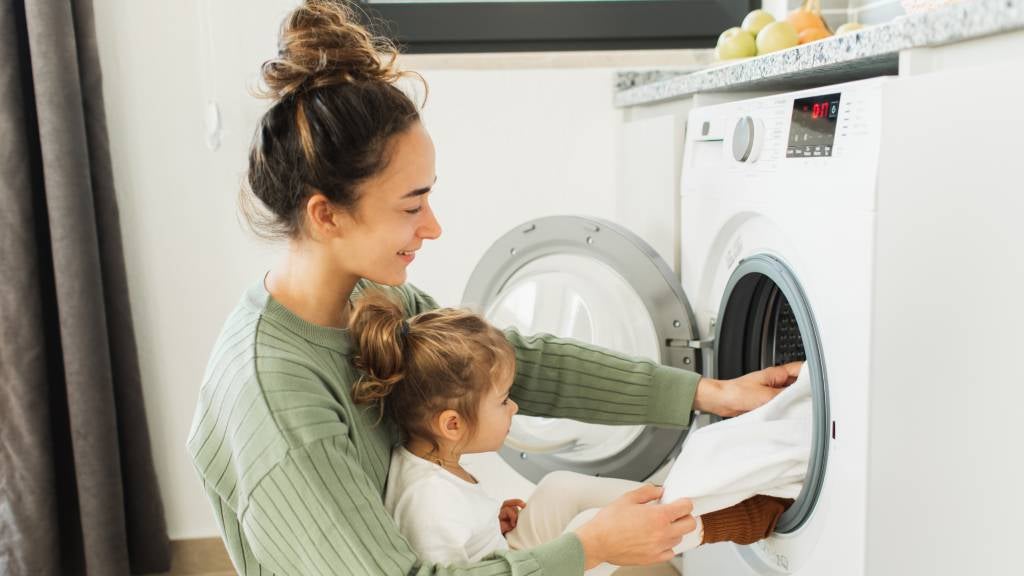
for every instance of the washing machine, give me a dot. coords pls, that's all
(873, 230)
(869, 229)
(611, 283)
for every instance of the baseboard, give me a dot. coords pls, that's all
(208, 557)
(199, 557)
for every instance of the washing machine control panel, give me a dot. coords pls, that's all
(809, 127)
(812, 127)
(819, 144)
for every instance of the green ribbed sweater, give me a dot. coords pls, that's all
(295, 471)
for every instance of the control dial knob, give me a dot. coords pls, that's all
(747, 136)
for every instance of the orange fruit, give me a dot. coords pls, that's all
(803, 19)
(812, 34)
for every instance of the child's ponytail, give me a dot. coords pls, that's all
(380, 331)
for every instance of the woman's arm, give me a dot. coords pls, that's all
(560, 377)
(565, 378)
(317, 512)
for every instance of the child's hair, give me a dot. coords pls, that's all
(415, 369)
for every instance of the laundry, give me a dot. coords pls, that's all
(764, 451)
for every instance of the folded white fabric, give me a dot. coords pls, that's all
(764, 451)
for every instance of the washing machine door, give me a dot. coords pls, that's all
(597, 282)
(767, 320)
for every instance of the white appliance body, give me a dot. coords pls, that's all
(904, 232)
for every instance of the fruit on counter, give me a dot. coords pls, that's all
(812, 34)
(849, 27)
(760, 33)
(776, 36)
(802, 19)
(756, 21)
(735, 43)
(728, 33)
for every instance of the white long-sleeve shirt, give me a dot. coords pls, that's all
(446, 519)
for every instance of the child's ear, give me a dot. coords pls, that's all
(451, 426)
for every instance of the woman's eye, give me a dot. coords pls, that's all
(414, 210)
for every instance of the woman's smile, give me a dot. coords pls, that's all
(407, 255)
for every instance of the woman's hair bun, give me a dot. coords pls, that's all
(322, 43)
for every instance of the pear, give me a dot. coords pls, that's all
(776, 36)
(735, 43)
(756, 21)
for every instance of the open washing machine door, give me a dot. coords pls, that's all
(765, 319)
(593, 281)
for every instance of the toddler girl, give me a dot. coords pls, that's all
(446, 377)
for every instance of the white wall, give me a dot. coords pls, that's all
(188, 259)
(512, 144)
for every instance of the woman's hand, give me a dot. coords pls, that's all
(743, 394)
(508, 516)
(633, 530)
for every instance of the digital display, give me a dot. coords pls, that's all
(812, 130)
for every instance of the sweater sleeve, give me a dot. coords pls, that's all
(745, 523)
(564, 378)
(317, 513)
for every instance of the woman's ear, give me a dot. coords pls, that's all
(451, 426)
(323, 217)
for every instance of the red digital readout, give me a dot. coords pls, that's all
(819, 110)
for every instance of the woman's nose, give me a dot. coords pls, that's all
(430, 228)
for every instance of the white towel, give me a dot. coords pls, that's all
(764, 451)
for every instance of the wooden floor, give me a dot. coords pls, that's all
(207, 557)
(200, 557)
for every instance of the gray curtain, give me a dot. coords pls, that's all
(78, 491)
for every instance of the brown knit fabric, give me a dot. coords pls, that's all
(745, 523)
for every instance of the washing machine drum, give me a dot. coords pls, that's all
(593, 281)
(766, 320)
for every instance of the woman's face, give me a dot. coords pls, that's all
(393, 216)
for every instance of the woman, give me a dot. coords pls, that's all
(342, 167)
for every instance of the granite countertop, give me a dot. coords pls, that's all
(872, 51)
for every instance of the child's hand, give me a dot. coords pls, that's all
(509, 514)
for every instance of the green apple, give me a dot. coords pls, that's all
(737, 44)
(777, 36)
(849, 27)
(728, 33)
(756, 21)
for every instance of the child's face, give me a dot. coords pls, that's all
(495, 416)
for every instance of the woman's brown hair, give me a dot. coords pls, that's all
(417, 368)
(335, 109)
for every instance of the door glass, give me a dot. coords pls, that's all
(582, 298)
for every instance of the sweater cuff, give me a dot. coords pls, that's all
(744, 523)
(672, 394)
(563, 555)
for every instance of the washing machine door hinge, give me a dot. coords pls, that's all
(702, 344)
